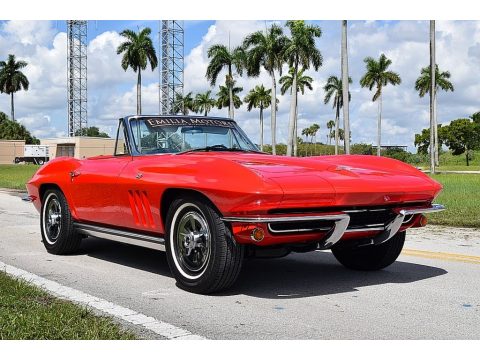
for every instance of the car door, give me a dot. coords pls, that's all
(94, 189)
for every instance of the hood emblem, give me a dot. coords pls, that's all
(386, 198)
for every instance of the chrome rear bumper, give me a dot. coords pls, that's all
(341, 221)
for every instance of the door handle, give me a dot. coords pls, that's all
(74, 174)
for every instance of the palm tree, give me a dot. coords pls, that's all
(307, 132)
(259, 97)
(334, 90)
(12, 79)
(422, 85)
(138, 51)
(433, 105)
(313, 130)
(302, 82)
(341, 134)
(300, 50)
(378, 76)
(223, 97)
(345, 82)
(331, 132)
(266, 50)
(183, 104)
(221, 57)
(204, 103)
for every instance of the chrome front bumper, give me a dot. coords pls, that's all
(341, 221)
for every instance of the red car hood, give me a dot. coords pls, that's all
(342, 180)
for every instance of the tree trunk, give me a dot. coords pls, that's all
(295, 137)
(345, 86)
(435, 127)
(379, 128)
(337, 120)
(230, 92)
(12, 107)
(261, 128)
(315, 145)
(432, 96)
(466, 154)
(139, 92)
(230, 107)
(293, 109)
(273, 114)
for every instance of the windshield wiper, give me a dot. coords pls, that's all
(218, 148)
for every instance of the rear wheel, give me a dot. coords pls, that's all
(201, 251)
(56, 224)
(371, 257)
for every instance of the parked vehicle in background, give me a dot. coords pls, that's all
(37, 154)
(199, 189)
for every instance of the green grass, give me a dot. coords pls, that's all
(15, 176)
(460, 196)
(448, 161)
(27, 312)
(453, 168)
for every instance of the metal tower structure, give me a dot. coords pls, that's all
(77, 75)
(171, 71)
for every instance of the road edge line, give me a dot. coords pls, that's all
(169, 331)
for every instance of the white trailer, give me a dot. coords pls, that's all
(37, 154)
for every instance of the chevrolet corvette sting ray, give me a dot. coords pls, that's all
(199, 189)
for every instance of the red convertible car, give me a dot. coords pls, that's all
(199, 189)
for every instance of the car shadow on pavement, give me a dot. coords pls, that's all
(318, 273)
(294, 276)
(137, 257)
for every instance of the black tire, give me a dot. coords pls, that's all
(40, 161)
(371, 257)
(211, 265)
(58, 233)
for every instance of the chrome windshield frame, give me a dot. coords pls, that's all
(131, 138)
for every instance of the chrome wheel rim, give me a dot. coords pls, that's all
(53, 219)
(192, 243)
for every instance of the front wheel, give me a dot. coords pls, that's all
(201, 251)
(371, 257)
(56, 224)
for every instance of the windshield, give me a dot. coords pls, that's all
(156, 135)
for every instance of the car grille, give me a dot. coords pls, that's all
(363, 218)
(360, 220)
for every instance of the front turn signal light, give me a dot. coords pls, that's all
(423, 220)
(257, 234)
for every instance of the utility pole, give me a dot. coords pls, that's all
(345, 88)
(432, 96)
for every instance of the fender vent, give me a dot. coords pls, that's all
(140, 206)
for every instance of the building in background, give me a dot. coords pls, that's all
(10, 149)
(79, 147)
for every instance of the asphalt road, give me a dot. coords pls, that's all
(424, 295)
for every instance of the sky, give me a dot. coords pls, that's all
(112, 91)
